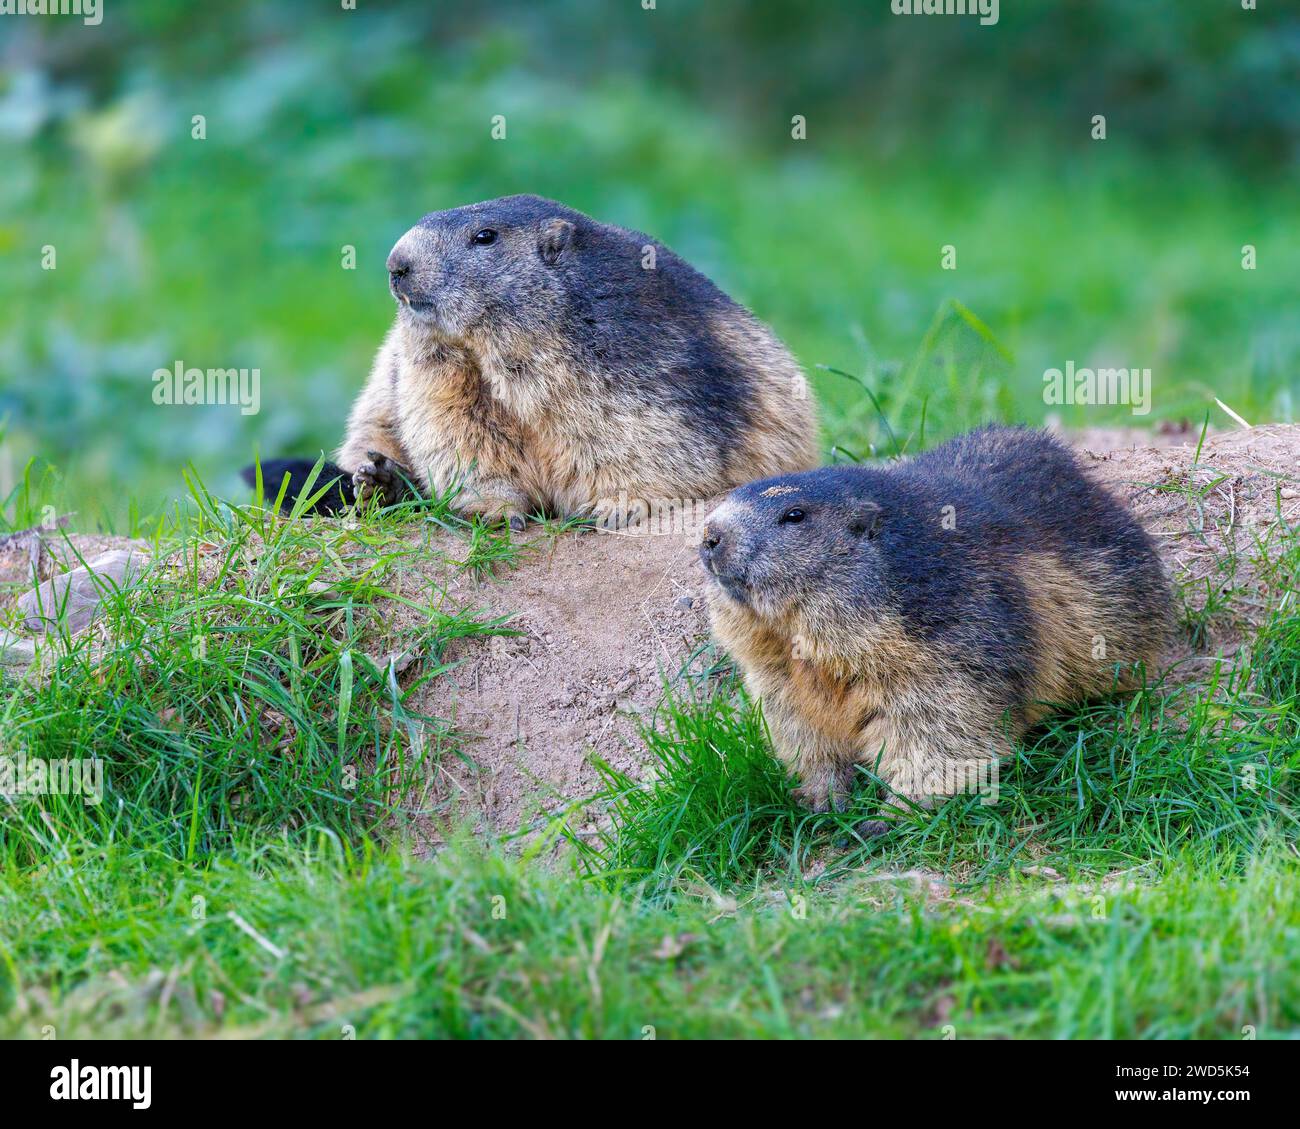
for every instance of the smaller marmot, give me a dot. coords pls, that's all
(915, 619)
(544, 362)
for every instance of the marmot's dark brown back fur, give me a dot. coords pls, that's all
(545, 362)
(916, 618)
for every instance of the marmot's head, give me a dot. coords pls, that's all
(803, 543)
(491, 263)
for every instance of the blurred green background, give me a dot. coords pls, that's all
(328, 127)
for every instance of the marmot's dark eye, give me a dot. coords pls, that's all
(791, 515)
(487, 235)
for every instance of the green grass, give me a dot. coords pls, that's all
(316, 942)
(241, 684)
(1135, 878)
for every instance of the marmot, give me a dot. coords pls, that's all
(544, 362)
(915, 619)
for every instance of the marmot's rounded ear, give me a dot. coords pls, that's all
(554, 237)
(866, 518)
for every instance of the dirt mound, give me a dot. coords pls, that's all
(604, 619)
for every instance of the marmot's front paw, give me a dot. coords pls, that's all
(826, 789)
(379, 478)
(495, 501)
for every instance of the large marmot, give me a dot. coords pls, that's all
(915, 619)
(543, 362)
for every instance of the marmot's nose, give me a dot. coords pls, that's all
(399, 266)
(712, 546)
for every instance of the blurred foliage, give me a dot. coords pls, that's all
(329, 128)
(1178, 72)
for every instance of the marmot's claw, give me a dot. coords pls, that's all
(495, 501)
(609, 514)
(872, 828)
(814, 799)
